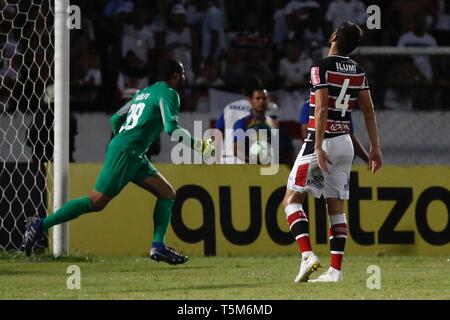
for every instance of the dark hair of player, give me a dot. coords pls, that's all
(252, 84)
(169, 67)
(348, 37)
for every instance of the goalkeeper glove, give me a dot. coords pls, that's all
(206, 148)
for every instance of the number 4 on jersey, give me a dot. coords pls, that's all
(133, 116)
(342, 102)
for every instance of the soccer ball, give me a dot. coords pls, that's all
(259, 150)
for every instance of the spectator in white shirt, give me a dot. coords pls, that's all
(213, 35)
(297, 14)
(340, 11)
(442, 16)
(279, 24)
(418, 37)
(138, 37)
(132, 75)
(180, 41)
(301, 9)
(294, 68)
(313, 36)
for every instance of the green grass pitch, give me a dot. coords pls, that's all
(265, 278)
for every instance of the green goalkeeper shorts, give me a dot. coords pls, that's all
(121, 167)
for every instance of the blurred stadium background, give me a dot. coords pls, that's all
(118, 50)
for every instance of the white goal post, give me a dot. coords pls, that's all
(34, 117)
(61, 151)
(27, 116)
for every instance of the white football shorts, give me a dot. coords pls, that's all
(306, 175)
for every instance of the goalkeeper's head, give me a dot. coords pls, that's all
(172, 72)
(346, 38)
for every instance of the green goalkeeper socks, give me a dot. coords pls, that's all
(161, 218)
(69, 211)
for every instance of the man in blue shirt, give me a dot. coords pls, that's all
(256, 120)
(236, 111)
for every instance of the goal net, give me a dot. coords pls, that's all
(26, 115)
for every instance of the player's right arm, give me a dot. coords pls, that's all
(169, 105)
(118, 119)
(321, 93)
(320, 118)
(366, 105)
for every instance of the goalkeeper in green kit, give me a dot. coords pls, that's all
(135, 126)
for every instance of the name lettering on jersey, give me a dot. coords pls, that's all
(239, 107)
(343, 67)
(142, 96)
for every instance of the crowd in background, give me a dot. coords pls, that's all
(121, 44)
(221, 43)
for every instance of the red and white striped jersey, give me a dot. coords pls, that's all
(344, 79)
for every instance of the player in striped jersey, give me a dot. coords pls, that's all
(323, 165)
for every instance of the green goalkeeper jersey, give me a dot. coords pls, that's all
(137, 124)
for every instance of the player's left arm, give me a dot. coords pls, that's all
(366, 105)
(360, 151)
(118, 119)
(359, 148)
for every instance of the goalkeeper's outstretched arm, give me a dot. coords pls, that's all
(169, 106)
(205, 147)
